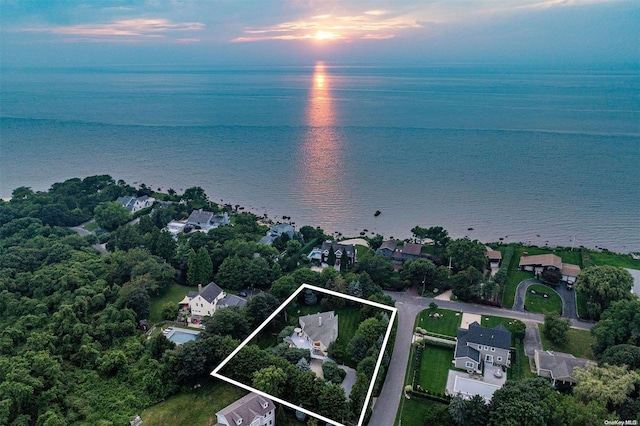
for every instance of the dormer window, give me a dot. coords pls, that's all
(239, 421)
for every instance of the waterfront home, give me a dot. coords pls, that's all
(542, 262)
(134, 204)
(206, 221)
(277, 230)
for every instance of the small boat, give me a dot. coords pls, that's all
(377, 213)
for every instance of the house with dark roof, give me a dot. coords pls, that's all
(205, 302)
(542, 262)
(250, 410)
(133, 204)
(342, 253)
(558, 366)
(478, 345)
(400, 252)
(319, 331)
(205, 221)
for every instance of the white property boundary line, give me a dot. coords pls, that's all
(215, 372)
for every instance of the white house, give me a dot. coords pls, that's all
(136, 203)
(206, 301)
(175, 227)
(250, 410)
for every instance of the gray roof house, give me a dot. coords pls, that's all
(136, 203)
(478, 345)
(319, 330)
(557, 366)
(206, 221)
(277, 230)
(250, 410)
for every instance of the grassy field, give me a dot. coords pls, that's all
(434, 368)
(175, 293)
(613, 259)
(413, 411)
(520, 368)
(364, 251)
(578, 343)
(196, 407)
(515, 276)
(447, 324)
(91, 226)
(538, 303)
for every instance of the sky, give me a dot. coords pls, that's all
(228, 32)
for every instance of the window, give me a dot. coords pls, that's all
(479, 347)
(469, 364)
(499, 358)
(493, 349)
(256, 422)
(486, 348)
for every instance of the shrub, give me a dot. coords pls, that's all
(333, 373)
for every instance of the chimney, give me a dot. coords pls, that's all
(199, 288)
(319, 321)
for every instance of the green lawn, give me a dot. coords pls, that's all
(581, 301)
(538, 303)
(413, 411)
(175, 293)
(520, 368)
(364, 251)
(194, 407)
(448, 323)
(91, 226)
(614, 259)
(578, 343)
(434, 368)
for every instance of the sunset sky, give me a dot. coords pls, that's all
(67, 32)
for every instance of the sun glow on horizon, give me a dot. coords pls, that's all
(325, 35)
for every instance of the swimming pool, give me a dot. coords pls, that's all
(181, 336)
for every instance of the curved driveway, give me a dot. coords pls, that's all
(386, 408)
(568, 297)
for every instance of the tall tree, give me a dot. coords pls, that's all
(620, 323)
(271, 380)
(465, 253)
(556, 328)
(602, 285)
(200, 267)
(110, 215)
(609, 384)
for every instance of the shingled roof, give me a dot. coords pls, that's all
(319, 327)
(498, 336)
(559, 365)
(210, 292)
(247, 408)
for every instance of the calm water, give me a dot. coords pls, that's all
(531, 156)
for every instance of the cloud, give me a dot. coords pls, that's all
(372, 25)
(126, 30)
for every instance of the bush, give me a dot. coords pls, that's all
(333, 373)
(286, 332)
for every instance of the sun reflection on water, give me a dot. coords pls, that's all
(322, 168)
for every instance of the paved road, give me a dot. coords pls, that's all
(569, 307)
(83, 233)
(409, 305)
